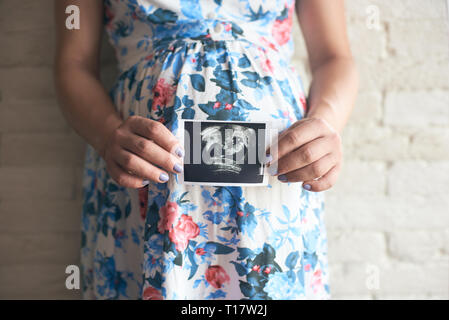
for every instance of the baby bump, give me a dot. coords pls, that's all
(213, 80)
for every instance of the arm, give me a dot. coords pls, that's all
(310, 150)
(334, 77)
(126, 146)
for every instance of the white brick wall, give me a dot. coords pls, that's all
(389, 212)
(390, 208)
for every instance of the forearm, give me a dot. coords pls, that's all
(333, 91)
(86, 104)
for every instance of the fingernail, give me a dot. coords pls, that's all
(163, 177)
(282, 178)
(268, 158)
(272, 170)
(307, 186)
(179, 152)
(177, 168)
(145, 183)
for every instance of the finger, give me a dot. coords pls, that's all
(157, 132)
(312, 171)
(325, 182)
(139, 167)
(304, 155)
(151, 152)
(123, 178)
(298, 135)
(271, 149)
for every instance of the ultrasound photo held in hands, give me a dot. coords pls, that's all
(224, 152)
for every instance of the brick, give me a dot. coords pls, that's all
(25, 15)
(398, 10)
(48, 248)
(360, 178)
(41, 149)
(418, 245)
(31, 117)
(383, 213)
(349, 280)
(407, 108)
(27, 48)
(408, 38)
(373, 142)
(413, 178)
(367, 109)
(395, 279)
(426, 75)
(50, 216)
(407, 278)
(33, 281)
(356, 246)
(18, 84)
(41, 183)
(368, 45)
(430, 144)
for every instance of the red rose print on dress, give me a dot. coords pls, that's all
(282, 28)
(151, 293)
(216, 276)
(267, 65)
(162, 94)
(185, 230)
(168, 215)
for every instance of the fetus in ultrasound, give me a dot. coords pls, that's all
(227, 148)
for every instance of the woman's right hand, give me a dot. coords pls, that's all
(137, 148)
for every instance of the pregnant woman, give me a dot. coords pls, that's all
(144, 234)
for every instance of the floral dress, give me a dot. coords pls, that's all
(210, 60)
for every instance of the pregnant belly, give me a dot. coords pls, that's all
(211, 80)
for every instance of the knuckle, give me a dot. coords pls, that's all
(292, 138)
(127, 161)
(153, 128)
(169, 162)
(142, 146)
(307, 154)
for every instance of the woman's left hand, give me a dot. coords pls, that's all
(310, 151)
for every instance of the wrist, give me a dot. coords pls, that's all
(327, 112)
(109, 126)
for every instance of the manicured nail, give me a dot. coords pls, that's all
(307, 186)
(163, 177)
(179, 152)
(282, 178)
(145, 183)
(272, 170)
(268, 158)
(177, 168)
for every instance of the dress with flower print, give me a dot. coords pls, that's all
(209, 60)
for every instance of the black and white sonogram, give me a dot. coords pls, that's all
(224, 152)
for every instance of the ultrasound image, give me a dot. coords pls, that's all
(224, 152)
